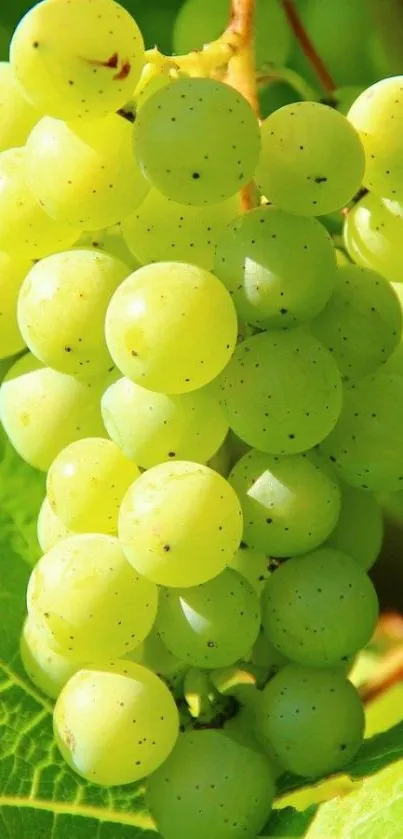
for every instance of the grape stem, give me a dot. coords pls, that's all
(389, 670)
(308, 47)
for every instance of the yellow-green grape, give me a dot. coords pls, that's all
(161, 229)
(391, 504)
(13, 270)
(211, 782)
(359, 530)
(77, 58)
(381, 105)
(362, 322)
(197, 141)
(366, 445)
(88, 600)
(312, 719)
(85, 174)
(320, 608)
(26, 230)
(180, 524)
(153, 653)
(117, 724)
(290, 504)
(312, 159)
(253, 565)
(86, 483)
(49, 671)
(143, 92)
(17, 114)
(341, 257)
(110, 239)
(373, 234)
(280, 269)
(42, 411)
(171, 327)
(152, 427)
(221, 460)
(198, 629)
(62, 306)
(264, 654)
(281, 391)
(50, 528)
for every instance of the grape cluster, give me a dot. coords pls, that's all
(214, 398)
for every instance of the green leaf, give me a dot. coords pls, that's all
(373, 811)
(289, 822)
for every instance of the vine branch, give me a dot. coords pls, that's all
(308, 47)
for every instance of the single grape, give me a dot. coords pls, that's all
(373, 235)
(153, 653)
(319, 608)
(49, 671)
(211, 783)
(359, 530)
(161, 229)
(362, 322)
(42, 411)
(180, 524)
(109, 239)
(152, 427)
(391, 504)
(13, 270)
(253, 565)
(88, 601)
(264, 654)
(84, 174)
(117, 724)
(197, 629)
(171, 327)
(86, 483)
(197, 141)
(290, 504)
(381, 105)
(279, 268)
(62, 306)
(366, 445)
(77, 59)
(17, 114)
(312, 719)
(50, 528)
(281, 391)
(26, 230)
(312, 159)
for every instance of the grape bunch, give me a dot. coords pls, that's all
(217, 402)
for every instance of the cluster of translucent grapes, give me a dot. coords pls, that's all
(215, 397)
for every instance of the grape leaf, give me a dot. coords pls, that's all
(289, 822)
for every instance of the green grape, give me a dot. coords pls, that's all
(152, 427)
(312, 159)
(77, 58)
(211, 786)
(50, 528)
(359, 530)
(26, 230)
(171, 327)
(373, 236)
(280, 269)
(85, 174)
(49, 671)
(13, 270)
(312, 719)
(391, 504)
(62, 306)
(201, 21)
(290, 504)
(86, 483)
(320, 608)
(153, 653)
(281, 391)
(253, 565)
(42, 411)
(381, 105)
(200, 153)
(87, 600)
(197, 629)
(117, 724)
(180, 524)
(264, 654)
(366, 445)
(362, 322)
(142, 93)
(111, 240)
(161, 229)
(17, 115)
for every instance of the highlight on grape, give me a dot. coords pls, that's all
(212, 382)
